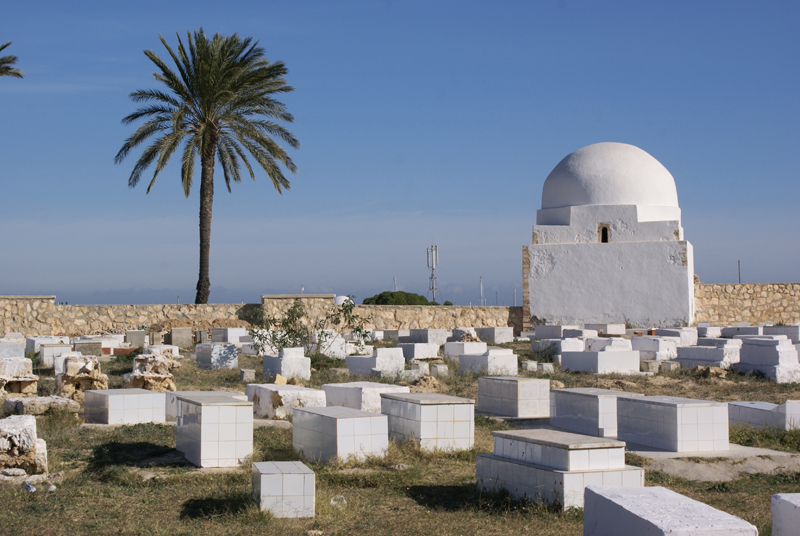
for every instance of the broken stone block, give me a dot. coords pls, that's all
(464, 335)
(669, 366)
(39, 405)
(272, 401)
(247, 375)
(81, 373)
(16, 376)
(20, 447)
(151, 372)
(169, 350)
(49, 352)
(439, 370)
(649, 365)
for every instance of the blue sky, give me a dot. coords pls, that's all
(418, 121)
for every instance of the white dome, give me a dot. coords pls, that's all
(609, 174)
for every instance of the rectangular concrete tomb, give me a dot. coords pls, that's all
(32, 344)
(587, 411)
(214, 431)
(496, 361)
(325, 434)
(656, 348)
(420, 350)
(673, 424)
(553, 466)
(123, 406)
(495, 335)
(432, 336)
(514, 397)
(181, 337)
(612, 511)
(171, 400)
(455, 349)
(48, 353)
(231, 335)
(289, 363)
(272, 401)
(606, 361)
(722, 356)
(217, 356)
(435, 421)
(365, 396)
(552, 332)
(785, 514)
(386, 360)
(785, 416)
(286, 489)
(12, 348)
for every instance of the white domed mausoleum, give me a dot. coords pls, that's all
(608, 244)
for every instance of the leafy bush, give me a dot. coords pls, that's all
(397, 298)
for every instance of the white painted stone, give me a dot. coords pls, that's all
(48, 353)
(776, 358)
(18, 432)
(13, 335)
(707, 356)
(433, 336)
(32, 344)
(613, 511)
(12, 348)
(387, 360)
(285, 489)
(455, 349)
(15, 367)
(217, 356)
(495, 335)
(214, 430)
(434, 421)
(365, 396)
(655, 348)
(719, 342)
(791, 331)
(606, 329)
(552, 332)
(124, 406)
(230, 335)
(730, 332)
(290, 363)
(785, 514)
(602, 362)
(586, 411)
(272, 401)
(555, 347)
(686, 336)
(420, 350)
(709, 331)
(330, 433)
(171, 400)
(580, 333)
(673, 423)
(610, 344)
(495, 362)
(514, 397)
(785, 416)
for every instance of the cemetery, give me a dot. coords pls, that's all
(591, 409)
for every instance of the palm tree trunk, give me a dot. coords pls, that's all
(206, 199)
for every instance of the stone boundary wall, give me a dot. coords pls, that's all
(747, 302)
(40, 315)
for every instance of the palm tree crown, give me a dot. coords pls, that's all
(6, 63)
(219, 106)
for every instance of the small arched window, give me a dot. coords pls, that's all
(604, 235)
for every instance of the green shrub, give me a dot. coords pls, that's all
(396, 298)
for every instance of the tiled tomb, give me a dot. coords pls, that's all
(514, 397)
(785, 416)
(785, 514)
(496, 361)
(775, 358)
(553, 466)
(325, 434)
(286, 489)
(272, 401)
(364, 396)
(289, 363)
(656, 511)
(495, 335)
(124, 406)
(455, 349)
(171, 400)
(673, 423)
(610, 359)
(214, 431)
(419, 350)
(586, 411)
(386, 360)
(655, 348)
(217, 356)
(435, 421)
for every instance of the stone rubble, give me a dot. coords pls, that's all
(81, 373)
(151, 372)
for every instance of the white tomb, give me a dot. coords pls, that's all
(325, 434)
(673, 423)
(785, 416)
(722, 356)
(434, 421)
(420, 350)
(455, 349)
(792, 331)
(123, 406)
(495, 362)
(12, 348)
(217, 356)
(365, 396)
(685, 336)
(214, 431)
(586, 411)
(775, 357)
(656, 511)
(551, 332)
(514, 397)
(732, 331)
(785, 514)
(231, 335)
(431, 336)
(286, 489)
(655, 348)
(289, 363)
(389, 361)
(607, 329)
(610, 360)
(32, 344)
(608, 343)
(614, 208)
(579, 334)
(171, 400)
(49, 352)
(499, 335)
(555, 347)
(553, 466)
(709, 332)
(272, 401)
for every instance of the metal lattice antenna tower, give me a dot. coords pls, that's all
(433, 262)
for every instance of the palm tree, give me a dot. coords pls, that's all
(220, 105)
(6, 63)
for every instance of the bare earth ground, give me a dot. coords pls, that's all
(129, 480)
